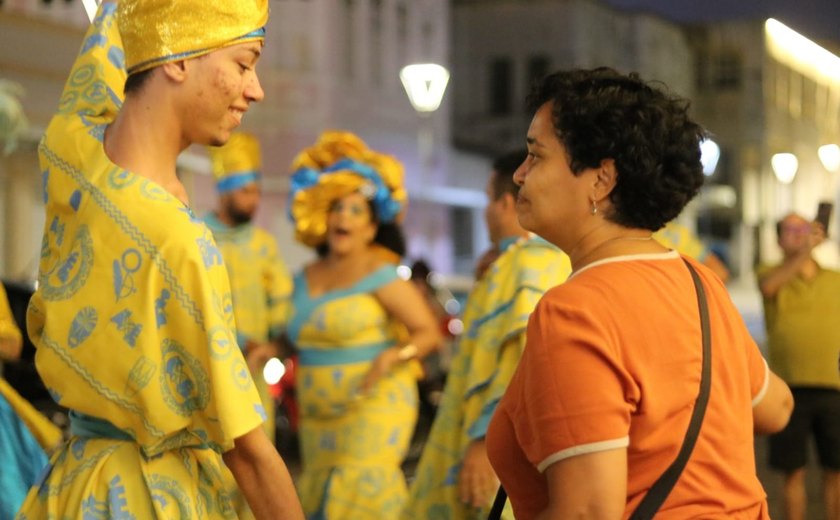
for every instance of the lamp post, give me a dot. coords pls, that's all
(830, 157)
(425, 84)
(784, 166)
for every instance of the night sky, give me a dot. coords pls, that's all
(816, 19)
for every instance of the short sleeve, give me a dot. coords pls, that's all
(758, 369)
(579, 396)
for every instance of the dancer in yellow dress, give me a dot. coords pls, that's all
(259, 281)
(359, 330)
(132, 318)
(25, 434)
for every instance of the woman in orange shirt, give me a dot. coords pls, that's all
(601, 400)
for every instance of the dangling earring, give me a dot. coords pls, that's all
(594, 209)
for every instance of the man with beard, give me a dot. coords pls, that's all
(260, 282)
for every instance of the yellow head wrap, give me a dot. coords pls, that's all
(155, 32)
(237, 163)
(339, 164)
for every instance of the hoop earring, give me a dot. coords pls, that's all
(594, 209)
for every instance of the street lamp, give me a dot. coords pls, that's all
(830, 156)
(425, 84)
(784, 166)
(709, 156)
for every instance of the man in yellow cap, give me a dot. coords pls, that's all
(260, 282)
(132, 318)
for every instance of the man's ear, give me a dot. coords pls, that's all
(175, 70)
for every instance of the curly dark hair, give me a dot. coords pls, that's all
(602, 114)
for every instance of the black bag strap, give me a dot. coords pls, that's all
(498, 505)
(663, 486)
(665, 483)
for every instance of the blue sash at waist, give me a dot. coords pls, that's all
(314, 356)
(89, 427)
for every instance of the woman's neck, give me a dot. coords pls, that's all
(608, 240)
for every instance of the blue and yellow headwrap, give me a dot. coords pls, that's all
(339, 164)
(155, 32)
(237, 163)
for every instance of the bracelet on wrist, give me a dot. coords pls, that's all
(407, 352)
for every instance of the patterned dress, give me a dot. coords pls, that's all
(133, 325)
(352, 446)
(495, 319)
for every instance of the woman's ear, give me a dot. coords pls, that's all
(606, 178)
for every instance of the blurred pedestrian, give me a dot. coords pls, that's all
(801, 300)
(259, 281)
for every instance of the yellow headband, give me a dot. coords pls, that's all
(237, 163)
(337, 165)
(155, 32)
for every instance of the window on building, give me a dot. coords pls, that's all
(428, 37)
(501, 73)
(728, 70)
(538, 67)
(376, 47)
(402, 33)
(462, 233)
(349, 61)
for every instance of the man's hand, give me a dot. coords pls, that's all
(477, 482)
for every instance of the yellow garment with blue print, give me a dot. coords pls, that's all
(261, 288)
(133, 325)
(495, 319)
(679, 238)
(352, 445)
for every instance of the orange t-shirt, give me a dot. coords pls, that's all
(613, 360)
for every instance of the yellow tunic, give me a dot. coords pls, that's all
(261, 287)
(679, 238)
(133, 325)
(352, 446)
(495, 319)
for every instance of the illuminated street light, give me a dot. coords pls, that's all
(830, 156)
(784, 166)
(90, 8)
(709, 156)
(425, 84)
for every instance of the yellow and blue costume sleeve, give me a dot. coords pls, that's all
(495, 319)
(133, 323)
(679, 238)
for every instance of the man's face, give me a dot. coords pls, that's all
(241, 205)
(794, 234)
(220, 88)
